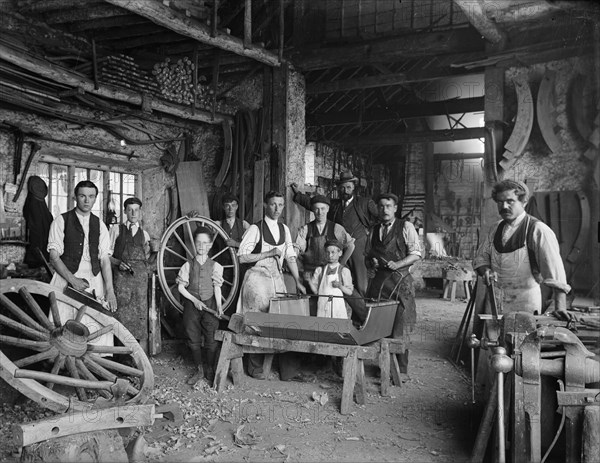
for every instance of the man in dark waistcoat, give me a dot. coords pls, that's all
(393, 246)
(356, 215)
(130, 251)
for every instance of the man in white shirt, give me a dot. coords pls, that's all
(522, 253)
(266, 244)
(79, 245)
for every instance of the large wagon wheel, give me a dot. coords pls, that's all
(52, 361)
(177, 247)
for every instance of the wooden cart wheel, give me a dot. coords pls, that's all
(177, 247)
(52, 360)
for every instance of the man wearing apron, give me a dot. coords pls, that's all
(520, 253)
(312, 237)
(266, 245)
(393, 247)
(130, 250)
(79, 244)
(356, 215)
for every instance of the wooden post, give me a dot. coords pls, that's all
(350, 366)
(591, 434)
(215, 17)
(248, 23)
(95, 65)
(281, 28)
(215, 82)
(279, 127)
(154, 338)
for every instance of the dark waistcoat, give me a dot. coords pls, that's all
(73, 241)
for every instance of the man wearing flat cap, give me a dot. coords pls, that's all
(130, 247)
(356, 215)
(522, 255)
(311, 238)
(392, 248)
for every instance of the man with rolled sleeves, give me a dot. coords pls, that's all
(312, 237)
(356, 215)
(392, 248)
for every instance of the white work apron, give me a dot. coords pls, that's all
(68, 312)
(519, 289)
(334, 307)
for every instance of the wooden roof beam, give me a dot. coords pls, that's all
(100, 11)
(390, 49)
(63, 76)
(385, 80)
(454, 106)
(475, 11)
(415, 137)
(189, 27)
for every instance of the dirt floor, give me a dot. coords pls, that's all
(429, 418)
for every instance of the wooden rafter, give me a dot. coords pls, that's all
(415, 137)
(475, 10)
(188, 27)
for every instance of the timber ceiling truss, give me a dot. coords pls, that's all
(366, 62)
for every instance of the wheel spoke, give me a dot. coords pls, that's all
(109, 349)
(191, 236)
(59, 362)
(104, 373)
(229, 283)
(115, 366)
(75, 374)
(219, 253)
(171, 268)
(35, 308)
(54, 309)
(87, 374)
(4, 320)
(50, 353)
(63, 380)
(20, 342)
(228, 266)
(19, 313)
(176, 235)
(81, 312)
(175, 253)
(101, 332)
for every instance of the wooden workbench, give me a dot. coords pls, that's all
(236, 345)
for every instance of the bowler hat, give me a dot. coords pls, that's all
(319, 199)
(391, 196)
(347, 176)
(132, 200)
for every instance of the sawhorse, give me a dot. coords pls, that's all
(236, 345)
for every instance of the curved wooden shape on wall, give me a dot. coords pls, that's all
(523, 125)
(546, 112)
(227, 147)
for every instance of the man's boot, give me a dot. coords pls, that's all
(197, 376)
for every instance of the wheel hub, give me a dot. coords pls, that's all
(71, 338)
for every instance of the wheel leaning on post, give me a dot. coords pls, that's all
(177, 247)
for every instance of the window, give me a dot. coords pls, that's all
(61, 181)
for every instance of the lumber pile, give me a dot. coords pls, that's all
(123, 71)
(176, 82)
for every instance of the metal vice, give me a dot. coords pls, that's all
(559, 353)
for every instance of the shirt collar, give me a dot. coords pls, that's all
(269, 221)
(389, 225)
(131, 224)
(348, 201)
(517, 221)
(82, 216)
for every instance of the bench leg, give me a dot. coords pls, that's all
(453, 292)
(237, 371)
(350, 365)
(446, 288)
(361, 385)
(395, 366)
(229, 351)
(384, 368)
(267, 363)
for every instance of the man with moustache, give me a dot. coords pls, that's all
(356, 215)
(522, 255)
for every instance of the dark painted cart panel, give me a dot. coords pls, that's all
(379, 324)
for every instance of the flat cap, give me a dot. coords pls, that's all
(319, 199)
(335, 243)
(391, 196)
(132, 200)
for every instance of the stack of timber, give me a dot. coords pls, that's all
(123, 71)
(176, 83)
(412, 202)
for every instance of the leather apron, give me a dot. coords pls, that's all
(518, 287)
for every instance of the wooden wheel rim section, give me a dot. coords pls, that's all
(182, 227)
(51, 399)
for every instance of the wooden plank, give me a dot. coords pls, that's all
(191, 188)
(61, 75)
(350, 366)
(247, 23)
(179, 23)
(384, 368)
(259, 190)
(415, 137)
(123, 416)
